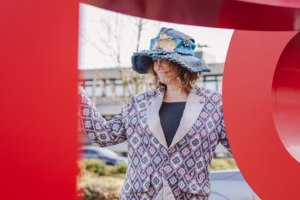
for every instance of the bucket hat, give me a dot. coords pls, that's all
(169, 45)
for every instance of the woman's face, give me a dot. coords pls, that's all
(163, 70)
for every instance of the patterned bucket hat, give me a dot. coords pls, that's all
(169, 45)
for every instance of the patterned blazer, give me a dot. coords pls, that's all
(156, 171)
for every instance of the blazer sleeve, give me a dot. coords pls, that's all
(223, 136)
(222, 131)
(99, 130)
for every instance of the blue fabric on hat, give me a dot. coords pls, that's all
(183, 55)
(181, 48)
(175, 34)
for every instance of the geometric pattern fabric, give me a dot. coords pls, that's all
(186, 166)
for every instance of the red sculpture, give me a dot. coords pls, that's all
(261, 106)
(38, 81)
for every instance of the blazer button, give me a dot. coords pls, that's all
(170, 151)
(201, 101)
(149, 102)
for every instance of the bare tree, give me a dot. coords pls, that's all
(109, 36)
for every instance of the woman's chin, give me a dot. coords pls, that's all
(163, 80)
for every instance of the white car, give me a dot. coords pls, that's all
(106, 155)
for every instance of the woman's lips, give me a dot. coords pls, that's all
(163, 72)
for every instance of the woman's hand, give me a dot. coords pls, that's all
(81, 90)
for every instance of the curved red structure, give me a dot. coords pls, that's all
(286, 97)
(260, 100)
(241, 15)
(38, 78)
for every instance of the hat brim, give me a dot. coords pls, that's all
(141, 61)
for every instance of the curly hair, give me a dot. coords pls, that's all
(184, 78)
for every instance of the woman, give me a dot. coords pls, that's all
(172, 132)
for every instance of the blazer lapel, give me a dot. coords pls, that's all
(153, 106)
(193, 107)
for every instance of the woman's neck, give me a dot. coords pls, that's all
(175, 94)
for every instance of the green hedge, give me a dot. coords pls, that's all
(92, 187)
(122, 168)
(223, 164)
(98, 167)
(97, 181)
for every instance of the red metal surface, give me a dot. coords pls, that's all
(281, 3)
(252, 97)
(286, 97)
(38, 78)
(213, 13)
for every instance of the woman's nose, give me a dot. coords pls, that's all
(159, 64)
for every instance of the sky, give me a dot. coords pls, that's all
(97, 46)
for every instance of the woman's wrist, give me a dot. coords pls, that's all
(81, 90)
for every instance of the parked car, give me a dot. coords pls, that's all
(106, 155)
(230, 185)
